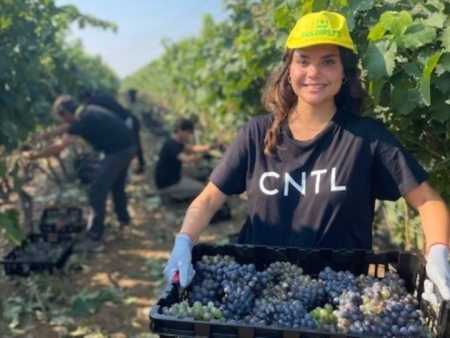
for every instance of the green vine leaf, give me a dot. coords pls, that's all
(426, 78)
(436, 20)
(418, 35)
(396, 23)
(13, 232)
(380, 59)
(375, 88)
(444, 38)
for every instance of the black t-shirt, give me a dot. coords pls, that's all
(168, 168)
(318, 193)
(108, 102)
(102, 129)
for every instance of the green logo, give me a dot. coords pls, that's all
(322, 23)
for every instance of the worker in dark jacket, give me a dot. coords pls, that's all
(106, 133)
(107, 101)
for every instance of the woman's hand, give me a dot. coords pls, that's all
(180, 261)
(438, 269)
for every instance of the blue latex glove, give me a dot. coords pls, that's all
(438, 269)
(180, 261)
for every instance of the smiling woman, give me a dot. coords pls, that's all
(352, 161)
(316, 75)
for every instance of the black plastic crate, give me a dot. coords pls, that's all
(410, 267)
(22, 263)
(62, 220)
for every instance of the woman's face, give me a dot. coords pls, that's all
(316, 74)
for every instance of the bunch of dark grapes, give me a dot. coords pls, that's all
(335, 283)
(206, 285)
(230, 286)
(238, 300)
(375, 296)
(395, 318)
(391, 282)
(275, 312)
(292, 315)
(287, 298)
(349, 314)
(262, 313)
(282, 270)
(241, 286)
(385, 310)
(289, 284)
(310, 292)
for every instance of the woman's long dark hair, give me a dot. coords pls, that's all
(279, 98)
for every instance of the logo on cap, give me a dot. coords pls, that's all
(322, 24)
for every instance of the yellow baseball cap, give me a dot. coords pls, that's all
(320, 28)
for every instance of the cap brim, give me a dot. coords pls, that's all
(320, 42)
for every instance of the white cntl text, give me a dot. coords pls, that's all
(301, 187)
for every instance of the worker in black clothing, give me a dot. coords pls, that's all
(107, 101)
(108, 134)
(175, 151)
